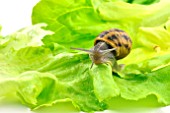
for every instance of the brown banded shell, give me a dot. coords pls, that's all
(118, 39)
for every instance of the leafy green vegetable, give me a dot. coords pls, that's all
(82, 23)
(39, 62)
(33, 70)
(30, 36)
(145, 28)
(156, 83)
(72, 23)
(48, 80)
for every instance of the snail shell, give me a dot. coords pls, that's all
(109, 46)
(118, 39)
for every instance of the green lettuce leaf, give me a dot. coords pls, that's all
(147, 28)
(80, 22)
(39, 62)
(30, 36)
(33, 70)
(48, 80)
(140, 86)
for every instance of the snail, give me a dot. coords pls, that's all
(109, 46)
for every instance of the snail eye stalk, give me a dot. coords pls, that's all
(104, 52)
(81, 49)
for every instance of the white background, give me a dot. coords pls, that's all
(14, 15)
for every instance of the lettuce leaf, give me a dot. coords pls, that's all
(48, 80)
(30, 36)
(39, 62)
(138, 86)
(34, 70)
(147, 28)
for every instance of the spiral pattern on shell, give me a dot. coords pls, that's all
(118, 39)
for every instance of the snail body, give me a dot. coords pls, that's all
(109, 46)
